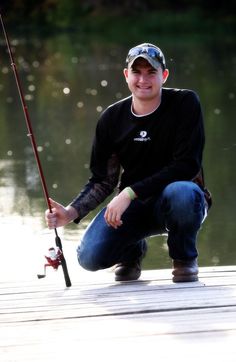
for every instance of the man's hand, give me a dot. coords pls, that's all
(60, 215)
(116, 208)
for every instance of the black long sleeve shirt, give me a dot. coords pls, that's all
(152, 150)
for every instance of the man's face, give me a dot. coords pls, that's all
(144, 81)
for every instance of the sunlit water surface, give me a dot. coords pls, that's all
(66, 86)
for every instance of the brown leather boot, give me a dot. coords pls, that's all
(185, 271)
(127, 271)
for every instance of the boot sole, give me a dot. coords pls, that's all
(184, 278)
(127, 278)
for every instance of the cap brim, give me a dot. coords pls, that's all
(154, 63)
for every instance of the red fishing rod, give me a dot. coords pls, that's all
(58, 257)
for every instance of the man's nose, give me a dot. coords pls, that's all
(143, 78)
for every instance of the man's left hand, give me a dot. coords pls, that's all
(116, 208)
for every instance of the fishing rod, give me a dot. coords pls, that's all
(58, 257)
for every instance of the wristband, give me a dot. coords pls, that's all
(131, 193)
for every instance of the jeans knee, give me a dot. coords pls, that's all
(87, 260)
(185, 200)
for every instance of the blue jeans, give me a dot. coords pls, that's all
(178, 211)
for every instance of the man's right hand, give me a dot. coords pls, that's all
(60, 215)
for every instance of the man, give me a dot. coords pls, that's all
(156, 137)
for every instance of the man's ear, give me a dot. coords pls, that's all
(125, 71)
(165, 75)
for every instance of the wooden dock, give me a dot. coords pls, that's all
(98, 319)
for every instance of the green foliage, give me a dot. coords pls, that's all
(99, 14)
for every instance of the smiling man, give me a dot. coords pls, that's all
(149, 147)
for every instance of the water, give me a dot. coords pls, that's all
(67, 83)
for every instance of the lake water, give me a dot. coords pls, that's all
(67, 82)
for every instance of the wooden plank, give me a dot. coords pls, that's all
(113, 299)
(165, 334)
(152, 319)
(55, 279)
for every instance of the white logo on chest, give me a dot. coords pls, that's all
(143, 137)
